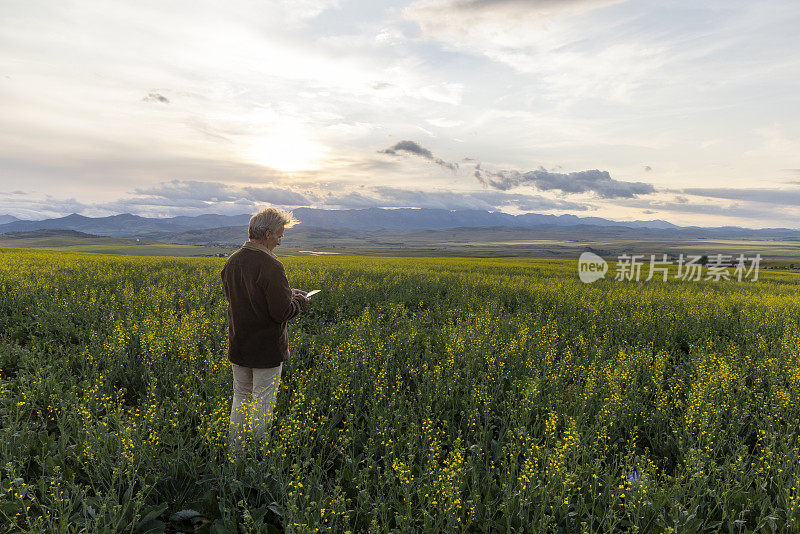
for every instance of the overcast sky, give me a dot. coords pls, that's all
(678, 110)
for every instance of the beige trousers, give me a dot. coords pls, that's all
(254, 393)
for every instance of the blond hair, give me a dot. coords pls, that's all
(269, 219)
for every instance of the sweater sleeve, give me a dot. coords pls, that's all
(281, 303)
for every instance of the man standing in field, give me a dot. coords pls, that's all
(260, 303)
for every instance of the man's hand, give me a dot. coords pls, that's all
(303, 301)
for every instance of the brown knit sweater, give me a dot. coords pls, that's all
(260, 303)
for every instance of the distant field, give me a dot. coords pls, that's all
(111, 245)
(145, 250)
(610, 249)
(772, 252)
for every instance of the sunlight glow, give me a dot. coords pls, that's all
(287, 145)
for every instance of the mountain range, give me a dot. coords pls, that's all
(319, 225)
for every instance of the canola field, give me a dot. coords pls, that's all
(422, 395)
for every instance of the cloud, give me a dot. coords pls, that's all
(539, 203)
(577, 49)
(474, 17)
(190, 190)
(411, 147)
(392, 197)
(789, 197)
(351, 200)
(483, 200)
(648, 168)
(274, 195)
(131, 204)
(775, 143)
(739, 214)
(192, 193)
(156, 97)
(730, 210)
(599, 182)
(793, 172)
(446, 93)
(38, 208)
(510, 31)
(445, 123)
(302, 10)
(168, 200)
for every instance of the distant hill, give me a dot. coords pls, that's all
(50, 232)
(126, 225)
(407, 219)
(297, 236)
(66, 238)
(225, 235)
(5, 219)
(74, 241)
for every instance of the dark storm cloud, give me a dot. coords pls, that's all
(413, 148)
(410, 147)
(156, 97)
(599, 182)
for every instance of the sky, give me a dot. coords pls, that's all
(682, 111)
